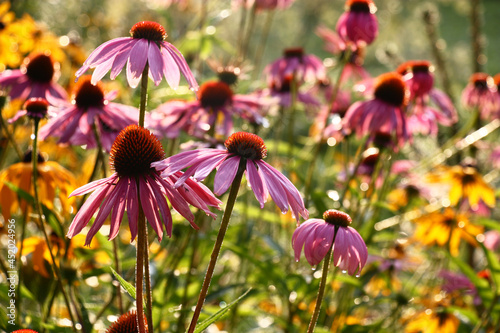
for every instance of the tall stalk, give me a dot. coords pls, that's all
(233, 193)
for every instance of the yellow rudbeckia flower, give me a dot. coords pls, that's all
(54, 182)
(433, 321)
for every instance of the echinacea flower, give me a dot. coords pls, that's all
(385, 113)
(36, 78)
(34, 108)
(317, 236)
(359, 23)
(242, 150)
(422, 118)
(216, 103)
(126, 323)
(298, 65)
(446, 229)
(146, 46)
(90, 106)
(132, 153)
(53, 181)
(481, 94)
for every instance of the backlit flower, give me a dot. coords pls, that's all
(131, 155)
(126, 323)
(359, 23)
(91, 105)
(250, 150)
(34, 108)
(317, 236)
(217, 106)
(481, 94)
(53, 181)
(146, 46)
(446, 229)
(36, 78)
(385, 113)
(422, 118)
(296, 64)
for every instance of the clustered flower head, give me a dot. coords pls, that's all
(243, 150)
(90, 106)
(318, 236)
(147, 46)
(131, 156)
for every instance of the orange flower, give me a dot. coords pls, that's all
(446, 227)
(430, 321)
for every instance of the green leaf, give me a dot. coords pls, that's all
(21, 193)
(219, 314)
(126, 285)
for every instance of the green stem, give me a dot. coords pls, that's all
(233, 193)
(262, 44)
(139, 273)
(291, 120)
(144, 95)
(147, 278)
(250, 31)
(41, 222)
(321, 290)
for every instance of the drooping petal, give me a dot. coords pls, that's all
(148, 207)
(155, 62)
(182, 64)
(170, 69)
(225, 175)
(132, 208)
(254, 177)
(137, 61)
(119, 209)
(162, 204)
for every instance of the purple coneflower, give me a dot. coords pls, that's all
(216, 101)
(282, 94)
(297, 65)
(131, 156)
(316, 236)
(90, 106)
(36, 78)
(249, 149)
(422, 118)
(384, 114)
(34, 108)
(147, 46)
(359, 23)
(481, 94)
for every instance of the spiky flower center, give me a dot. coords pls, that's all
(88, 95)
(361, 6)
(391, 89)
(126, 323)
(337, 218)
(36, 107)
(421, 67)
(481, 81)
(214, 94)
(39, 68)
(296, 52)
(148, 30)
(247, 145)
(133, 151)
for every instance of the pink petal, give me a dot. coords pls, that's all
(162, 203)
(132, 208)
(255, 179)
(119, 210)
(137, 61)
(155, 62)
(225, 175)
(93, 185)
(182, 64)
(170, 69)
(148, 207)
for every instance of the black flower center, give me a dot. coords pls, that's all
(391, 89)
(296, 52)
(148, 30)
(337, 218)
(36, 107)
(247, 145)
(481, 81)
(360, 6)
(133, 151)
(214, 94)
(40, 68)
(421, 67)
(87, 95)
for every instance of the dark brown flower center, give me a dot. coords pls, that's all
(36, 107)
(126, 323)
(286, 85)
(214, 94)
(133, 151)
(337, 218)
(87, 95)
(360, 6)
(247, 145)
(391, 89)
(481, 81)
(28, 157)
(148, 30)
(40, 68)
(296, 52)
(421, 67)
